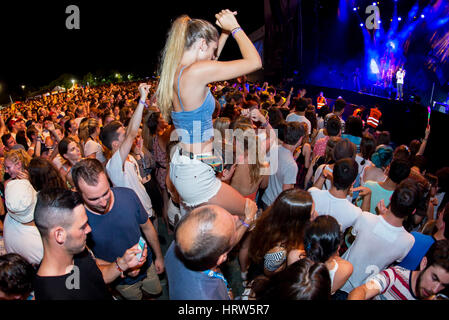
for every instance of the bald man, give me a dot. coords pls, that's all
(203, 238)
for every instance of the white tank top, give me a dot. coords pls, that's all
(333, 272)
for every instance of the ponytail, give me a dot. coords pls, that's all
(170, 59)
(183, 33)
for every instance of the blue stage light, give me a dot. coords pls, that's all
(422, 16)
(361, 24)
(373, 66)
(374, 3)
(354, 9)
(399, 18)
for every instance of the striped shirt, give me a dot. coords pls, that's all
(395, 284)
(274, 260)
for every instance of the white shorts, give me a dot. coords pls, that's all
(194, 180)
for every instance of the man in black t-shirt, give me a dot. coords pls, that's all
(68, 270)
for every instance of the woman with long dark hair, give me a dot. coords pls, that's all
(279, 232)
(322, 241)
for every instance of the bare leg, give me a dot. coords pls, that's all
(230, 199)
(243, 253)
(165, 209)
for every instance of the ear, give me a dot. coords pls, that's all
(114, 144)
(59, 234)
(222, 258)
(203, 44)
(423, 264)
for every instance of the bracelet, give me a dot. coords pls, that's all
(235, 30)
(244, 223)
(144, 103)
(118, 267)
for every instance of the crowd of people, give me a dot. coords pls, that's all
(315, 206)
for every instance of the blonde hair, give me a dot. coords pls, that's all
(18, 155)
(251, 143)
(87, 128)
(221, 124)
(182, 35)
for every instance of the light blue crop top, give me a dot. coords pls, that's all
(196, 125)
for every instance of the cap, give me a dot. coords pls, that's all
(20, 200)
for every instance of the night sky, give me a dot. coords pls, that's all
(127, 36)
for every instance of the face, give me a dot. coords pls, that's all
(20, 125)
(77, 233)
(97, 198)
(431, 281)
(108, 119)
(440, 224)
(73, 152)
(73, 126)
(12, 168)
(11, 142)
(121, 135)
(161, 122)
(208, 51)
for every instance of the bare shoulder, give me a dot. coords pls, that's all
(344, 265)
(307, 147)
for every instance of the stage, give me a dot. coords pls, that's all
(405, 120)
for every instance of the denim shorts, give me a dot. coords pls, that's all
(194, 180)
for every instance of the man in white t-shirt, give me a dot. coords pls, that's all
(122, 168)
(334, 202)
(400, 74)
(381, 239)
(300, 105)
(19, 231)
(285, 176)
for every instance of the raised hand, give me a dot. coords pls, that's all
(23, 175)
(144, 88)
(226, 20)
(363, 191)
(250, 211)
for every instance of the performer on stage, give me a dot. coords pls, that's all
(400, 74)
(356, 79)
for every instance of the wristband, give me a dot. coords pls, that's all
(118, 267)
(143, 102)
(244, 223)
(235, 30)
(264, 125)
